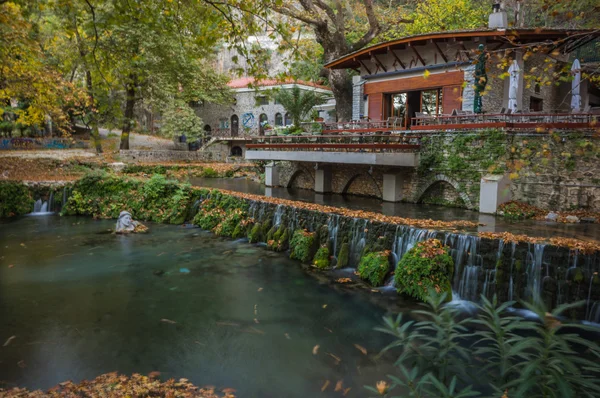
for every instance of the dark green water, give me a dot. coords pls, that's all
(82, 302)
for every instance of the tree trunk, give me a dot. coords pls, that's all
(95, 135)
(129, 117)
(334, 46)
(341, 85)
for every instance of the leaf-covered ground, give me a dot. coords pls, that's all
(113, 385)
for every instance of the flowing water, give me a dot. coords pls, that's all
(82, 301)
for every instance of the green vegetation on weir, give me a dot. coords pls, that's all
(424, 268)
(15, 199)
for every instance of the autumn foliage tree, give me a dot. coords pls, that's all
(28, 78)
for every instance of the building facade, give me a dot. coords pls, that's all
(253, 106)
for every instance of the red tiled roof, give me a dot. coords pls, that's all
(244, 82)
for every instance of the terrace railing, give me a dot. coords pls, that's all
(338, 143)
(515, 120)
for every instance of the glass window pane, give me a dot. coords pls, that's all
(398, 105)
(429, 102)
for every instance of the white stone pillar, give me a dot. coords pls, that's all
(495, 190)
(272, 175)
(323, 179)
(392, 187)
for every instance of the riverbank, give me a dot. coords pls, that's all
(119, 386)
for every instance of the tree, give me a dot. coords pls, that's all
(339, 26)
(299, 102)
(179, 118)
(28, 77)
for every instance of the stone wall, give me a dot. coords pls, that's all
(167, 156)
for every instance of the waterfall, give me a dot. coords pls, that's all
(511, 286)
(594, 314)
(278, 215)
(534, 272)
(50, 202)
(40, 207)
(489, 285)
(406, 238)
(467, 289)
(467, 263)
(292, 221)
(333, 226)
(358, 242)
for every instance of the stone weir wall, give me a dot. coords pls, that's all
(337, 238)
(511, 270)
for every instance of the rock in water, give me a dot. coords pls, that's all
(572, 219)
(125, 224)
(552, 216)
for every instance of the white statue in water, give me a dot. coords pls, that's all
(126, 224)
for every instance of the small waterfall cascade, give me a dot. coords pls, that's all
(534, 272)
(406, 238)
(511, 284)
(593, 314)
(489, 284)
(65, 196)
(40, 207)
(358, 242)
(333, 226)
(292, 220)
(467, 265)
(278, 215)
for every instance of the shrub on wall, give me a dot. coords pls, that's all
(15, 199)
(374, 266)
(105, 195)
(302, 244)
(321, 259)
(424, 267)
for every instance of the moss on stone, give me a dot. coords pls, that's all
(343, 256)
(323, 235)
(578, 275)
(239, 231)
(302, 245)
(426, 266)
(321, 259)
(271, 233)
(255, 233)
(374, 266)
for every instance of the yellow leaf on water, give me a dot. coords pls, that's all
(361, 348)
(315, 349)
(339, 386)
(325, 385)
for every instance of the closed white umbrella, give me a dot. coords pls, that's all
(576, 86)
(513, 88)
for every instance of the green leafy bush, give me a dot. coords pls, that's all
(209, 172)
(15, 199)
(321, 259)
(505, 356)
(518, 211)
(425, 267)
(302, 245)
(374, 266)
(105, 195)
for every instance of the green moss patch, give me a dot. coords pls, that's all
(374, 266)
(343, 256)
(302, 245)
(426, 266)
(321, 259)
